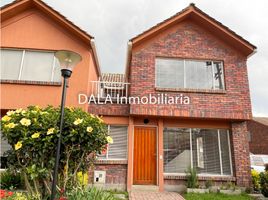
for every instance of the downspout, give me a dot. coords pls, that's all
(128, 60)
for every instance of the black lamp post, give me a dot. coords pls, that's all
(67, 60)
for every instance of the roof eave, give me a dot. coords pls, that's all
(195, 13)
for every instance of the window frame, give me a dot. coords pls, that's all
(22, 61)
(220, 156)
(184, 74)
(107, 150)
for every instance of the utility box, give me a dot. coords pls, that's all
(99, 176)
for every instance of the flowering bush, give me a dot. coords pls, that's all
(33, 134)
(5, 194)
(255, 179)
(264, 182)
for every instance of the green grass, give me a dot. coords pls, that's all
(216, 196)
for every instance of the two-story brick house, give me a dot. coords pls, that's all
(190, 56)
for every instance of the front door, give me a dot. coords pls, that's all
(144, 171)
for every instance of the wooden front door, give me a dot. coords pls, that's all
(144, 171)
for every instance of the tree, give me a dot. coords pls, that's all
(33, 135)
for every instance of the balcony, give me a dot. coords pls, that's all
(110, 86)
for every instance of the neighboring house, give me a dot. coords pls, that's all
(31, 32)
(258, 135)
(190, 56)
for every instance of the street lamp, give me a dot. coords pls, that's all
(67, 60)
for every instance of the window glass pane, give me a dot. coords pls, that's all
(118, 150)
(57, 72)
(10, 64)
(206, 157)
(226, 168)
(177, 156)
(198, 74)
(218, 75)
(169, 73)
(37, 66)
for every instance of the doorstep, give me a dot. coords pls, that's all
(150, 188)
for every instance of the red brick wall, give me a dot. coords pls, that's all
(240, 149)
(259, 137)
(189, 40)
(116, 174)
(109, 109)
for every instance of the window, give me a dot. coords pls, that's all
(29, 65)
(117, 150)
(176, 150)
(4, 147)
(206, 150)
(193, 74)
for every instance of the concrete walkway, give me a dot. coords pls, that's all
(146, 195)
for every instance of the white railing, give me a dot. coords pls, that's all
(102, 89)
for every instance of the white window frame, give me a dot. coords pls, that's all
(107, 150)
(191, 156)
(22, 61)
(184, 74)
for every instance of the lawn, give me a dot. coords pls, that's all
(216, 196)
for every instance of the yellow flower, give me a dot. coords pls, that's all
(34, 111)
(18, 145)
(19, 110)
(43, 113)
(25, 122)
(23, 112)
(36, 135)
(50, 131)
(109, 139)
(89, 129)
(11, 112)
(10, 125)
(79, 174)
(78, 121)
(82, 178)
(6, 118)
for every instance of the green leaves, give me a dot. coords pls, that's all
(33, 134)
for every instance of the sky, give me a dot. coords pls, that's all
(114, 22)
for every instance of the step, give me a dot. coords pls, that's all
(151, 188)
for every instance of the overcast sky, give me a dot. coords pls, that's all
(114, 22)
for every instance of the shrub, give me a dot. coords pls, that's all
(89, 194)
(33, 134)
(10, 180)
(264, 183)
(191, 177)
(255, 179)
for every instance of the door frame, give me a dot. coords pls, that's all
(157, 156)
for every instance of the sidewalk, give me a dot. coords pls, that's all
(145, 195)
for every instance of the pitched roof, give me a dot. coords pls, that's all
(198, 15)
(262, 120)
(112, 77)
(17, 6)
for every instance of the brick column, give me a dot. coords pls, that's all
(130, 154)
(241, 158)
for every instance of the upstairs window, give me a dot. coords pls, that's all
(192, 74)
(29, 65)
